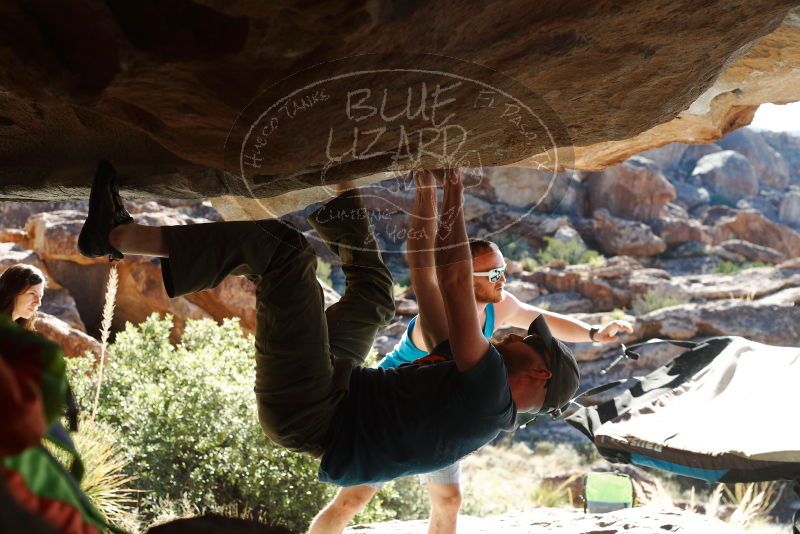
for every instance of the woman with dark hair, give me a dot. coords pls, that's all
(21, 291)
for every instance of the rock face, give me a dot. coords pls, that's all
(788, 146)
(158, 89)
(769, 165)
(635, 189)
(752, 226)
(728, 174)
(625, 238)
(789, 209)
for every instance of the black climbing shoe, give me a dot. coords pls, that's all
(106, 212)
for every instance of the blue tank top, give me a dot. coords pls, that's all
(406, 352)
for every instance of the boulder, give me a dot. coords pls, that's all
(564, 303)
(567, 234)
(711, 215)
(692, 155)
(675, 231)
(617, 236)
(73, 342)
(789, 208)
(766, 323)
(542, 191)
(691, 196)
(635, 189)
(14, 235)
(690, 249)
(525, 291)
(745, 284)
(728, 174)
(752, 252)
(667, 157)
(769, 165)
(787, 144)
(752, 226)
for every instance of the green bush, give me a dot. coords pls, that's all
(513, 248)
(529, 264)
(657, 298)
(186, 418)
(730, 267)
(571, 252)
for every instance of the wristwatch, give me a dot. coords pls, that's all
(593, 332)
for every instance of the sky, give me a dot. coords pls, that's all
(778, 118)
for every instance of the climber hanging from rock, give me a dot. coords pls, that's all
(312, 391)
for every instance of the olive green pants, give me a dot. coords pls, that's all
(304, 353)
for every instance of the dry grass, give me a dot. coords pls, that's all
(498, 479)
(105, 329)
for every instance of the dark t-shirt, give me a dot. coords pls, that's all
(416, 418)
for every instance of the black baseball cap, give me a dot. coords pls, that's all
(561, 387)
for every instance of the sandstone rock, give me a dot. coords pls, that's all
(787, 144)
(789, 208)
(752, 252)
(58, 303)
(603, 295)
(73, 342)
(691, 196)
(513, 267)
(766, 323)
(567, 234)
(727, 255)
(711, 215)
(564, 303)
(785, 297)
(123, 103)
(635, 189)
(667, 157)
(745, 284)
(542, 191)
(406, 307)
(728, 174)
(693, 154)
(690, 249)
(524, 291)
(675, 231)
(769, 165)
(11, 253)
(141, 293)
(616, 267)
(14, 235)
(752, 226)
(54, 235)
(689, 265)
(618, 236)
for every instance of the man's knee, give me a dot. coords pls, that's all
(352, 500)
(445, 497)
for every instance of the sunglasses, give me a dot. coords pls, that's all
(494, 275)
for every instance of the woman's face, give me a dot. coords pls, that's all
(27, 302)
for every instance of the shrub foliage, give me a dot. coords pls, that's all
(186, 417)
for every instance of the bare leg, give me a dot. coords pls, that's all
(139, 240)
(445, 503)
(341, 510)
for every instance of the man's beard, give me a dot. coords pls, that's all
(483, 296)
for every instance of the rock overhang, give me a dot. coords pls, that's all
(162, 90)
